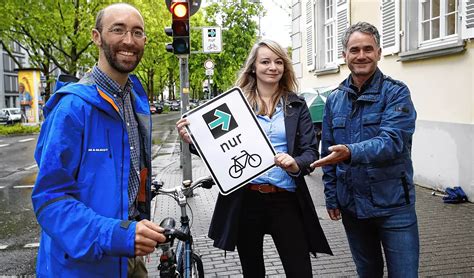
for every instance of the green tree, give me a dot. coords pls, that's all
(52, 32)
(237, 18)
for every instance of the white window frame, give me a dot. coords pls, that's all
(443, 39)
(416, 49)
(328, 59)
(330, 54)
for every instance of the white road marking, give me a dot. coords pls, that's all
(24, 186)
(4, 145)
(31, 167)
(3, 247)
(32, 245)
(26, 140)
(2, 186)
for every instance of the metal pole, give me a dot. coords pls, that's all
(209, 87)
(184, 93)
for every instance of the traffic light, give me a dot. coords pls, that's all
(179, 28)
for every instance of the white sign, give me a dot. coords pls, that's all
(209, 72)
(229, 139)
(209, 64)
(211, 40)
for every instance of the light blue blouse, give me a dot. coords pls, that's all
(274, 127)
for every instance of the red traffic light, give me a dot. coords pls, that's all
(179, 10)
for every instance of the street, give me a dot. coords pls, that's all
(446, 230)
(19, 231)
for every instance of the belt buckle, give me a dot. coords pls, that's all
(260, 189)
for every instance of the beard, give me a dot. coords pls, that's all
(110, 52)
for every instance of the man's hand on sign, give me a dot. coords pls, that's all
(183, 133)
(286, 162)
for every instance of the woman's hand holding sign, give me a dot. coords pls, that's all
(286, 162)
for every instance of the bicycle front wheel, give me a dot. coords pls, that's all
(197, 269)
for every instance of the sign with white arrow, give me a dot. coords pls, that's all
(230, 141)
(211, 40)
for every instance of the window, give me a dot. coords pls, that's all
(436, 27)
(329, 26)
(438, 21)
(11, 83)
(331, 21)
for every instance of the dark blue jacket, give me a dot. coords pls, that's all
(302, 146)
(81, 194)
(377, 127)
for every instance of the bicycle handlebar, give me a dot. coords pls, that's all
(204, 182)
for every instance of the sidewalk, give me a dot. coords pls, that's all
(446, 231)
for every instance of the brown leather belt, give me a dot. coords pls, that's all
(265, 188)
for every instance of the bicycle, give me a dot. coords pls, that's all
(182, 261)
(254, 160)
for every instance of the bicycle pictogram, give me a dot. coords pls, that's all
(236, 170)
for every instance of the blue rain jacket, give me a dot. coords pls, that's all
(377, 127)
(80, 197)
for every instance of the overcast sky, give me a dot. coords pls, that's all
(276, 24)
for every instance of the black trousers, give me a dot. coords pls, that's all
(279, 215)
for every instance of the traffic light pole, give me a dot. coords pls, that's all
(184, 93)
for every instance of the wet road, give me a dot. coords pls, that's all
(19, 231)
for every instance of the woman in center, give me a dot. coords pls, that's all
(278, 202)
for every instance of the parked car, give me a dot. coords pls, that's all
(152, 109)
(3, 118)
(156, 108)
(193, 103)
(159, 108)
(13, 114)
(175, 106)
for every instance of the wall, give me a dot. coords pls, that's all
(442, 90)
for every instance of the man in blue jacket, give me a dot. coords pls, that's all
(368, 124)
(92, 195)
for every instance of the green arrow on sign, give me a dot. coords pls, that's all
(222, 119)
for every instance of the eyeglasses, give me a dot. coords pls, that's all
(121, 32)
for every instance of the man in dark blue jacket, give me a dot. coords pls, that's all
(92, 195)
(368, 124)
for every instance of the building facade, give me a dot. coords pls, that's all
(9, 96)
(427, 44)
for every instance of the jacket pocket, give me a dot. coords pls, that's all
(389, 186)
(339, 129)
(371, 125)
(343, 188)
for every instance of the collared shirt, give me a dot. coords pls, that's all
(364, 86)
(274, 127)
(124, 103)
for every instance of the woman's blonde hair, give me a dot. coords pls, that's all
(247, 80)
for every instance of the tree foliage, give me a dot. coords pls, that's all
(57, 34)
(54, 33)
(237, 18)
